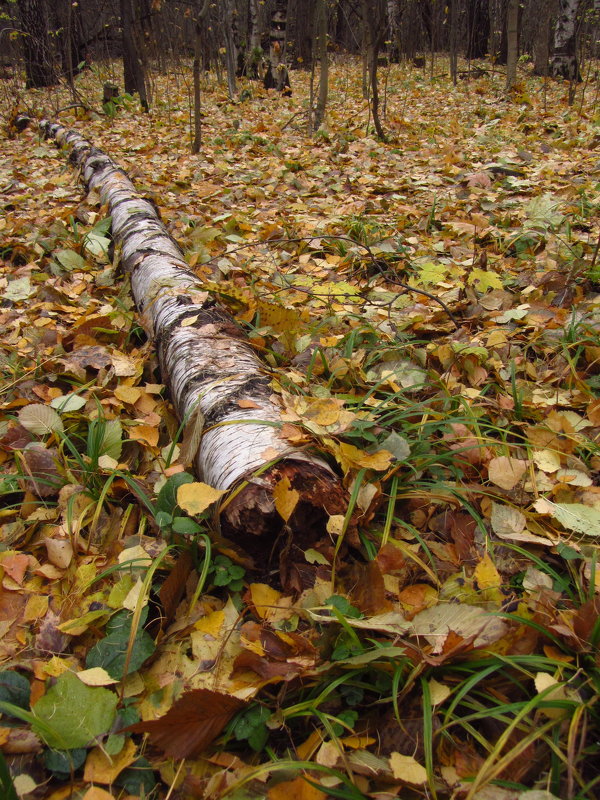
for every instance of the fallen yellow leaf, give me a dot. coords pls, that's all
(351, 456)
(486, 574)
(96, 793)
(438, 692)
(323, 411)
(265, 599)
(197, 497)
(96, 676)
(102, 768)
(128, 394)
(335, 524)
(37, 606)
(406, 768)
(286, 498)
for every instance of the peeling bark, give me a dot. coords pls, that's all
(208, 364)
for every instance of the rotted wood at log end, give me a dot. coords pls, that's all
(251, 520)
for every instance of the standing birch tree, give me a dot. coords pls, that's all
(564, 60)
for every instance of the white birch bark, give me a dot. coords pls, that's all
(564, 60)
(393, 15)
(254, 27)
(206, 363)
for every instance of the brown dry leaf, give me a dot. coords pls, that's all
(14, 565)
(506, 472)
(293, 434)
(247, 404)
(144, 433)
(192, 723)
(173, 588)
(41, 471)
(470, 623)
(479, 180)
(416, 598)
(268, 670)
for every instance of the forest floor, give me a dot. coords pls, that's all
(430, 310)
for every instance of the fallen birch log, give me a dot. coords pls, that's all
(208, 365)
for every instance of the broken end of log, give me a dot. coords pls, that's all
(251, 520)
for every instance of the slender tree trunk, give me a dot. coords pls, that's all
(211, 371)
(478, 28)
(39, 66)
(541, 45)
(321, 27)
(375, 31)
(453, 43)
(70, 37)
(564, 61)
(512, 39)
(134, 73)
(501, 55)
(197, 141)
(230, 47)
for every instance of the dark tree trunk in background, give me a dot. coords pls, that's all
(541, 44)
(512, 42)
(453, 24)
(134, 72)
(320, 38)
(478, 28)
(199, 24)
(70, 37)
(299, 46)
(502, 54)
(564, 61)
(427, 20)
(39, 65)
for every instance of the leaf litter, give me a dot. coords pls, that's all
(467, 445)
